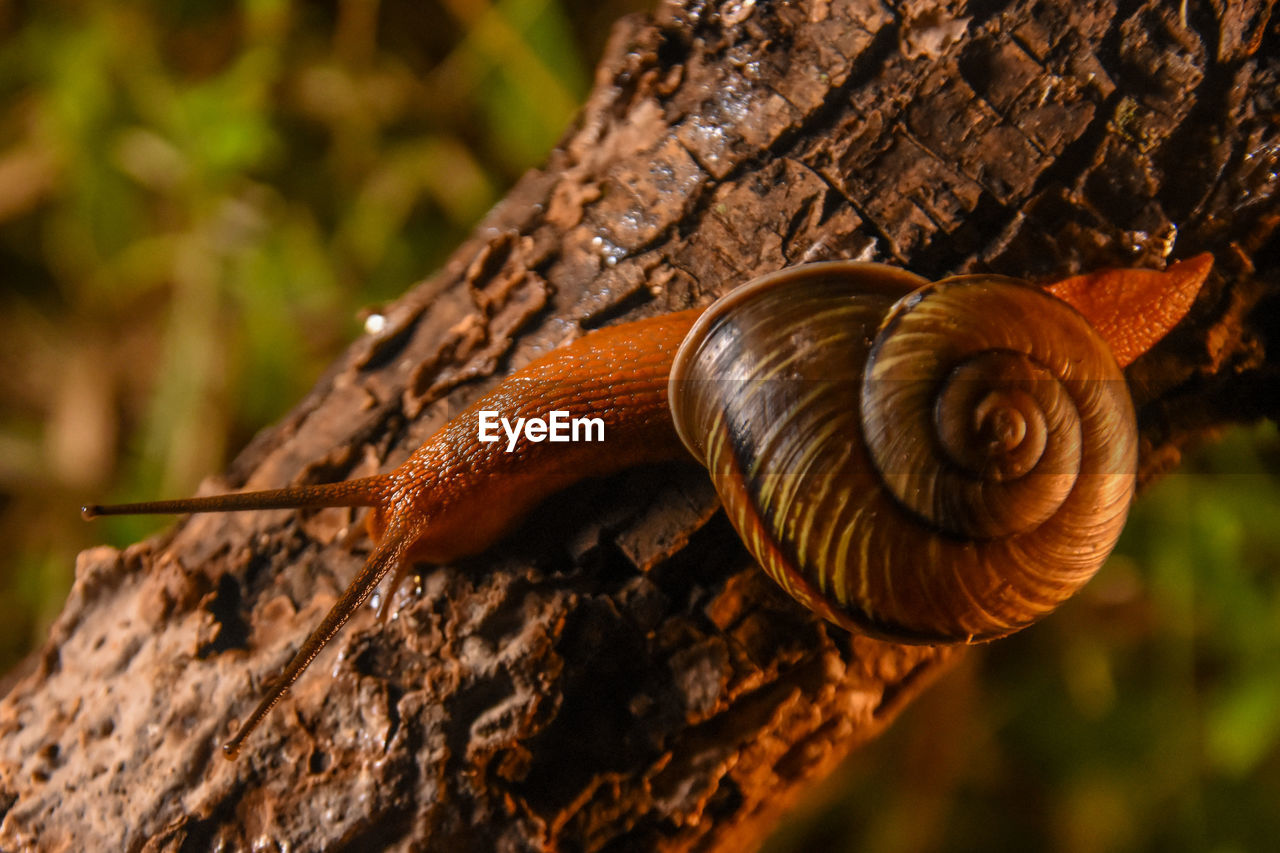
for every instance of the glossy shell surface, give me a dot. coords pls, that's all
(927, 462)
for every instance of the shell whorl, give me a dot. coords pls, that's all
(939, 462)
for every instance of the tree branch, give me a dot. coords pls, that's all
(618, 674)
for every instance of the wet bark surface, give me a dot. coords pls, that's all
(617, 674)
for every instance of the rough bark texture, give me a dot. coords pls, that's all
(617, 675)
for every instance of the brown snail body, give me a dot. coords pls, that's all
(772, 388)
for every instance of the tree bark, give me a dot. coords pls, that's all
(618, 675)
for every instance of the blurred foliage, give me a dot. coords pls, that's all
(196, 199)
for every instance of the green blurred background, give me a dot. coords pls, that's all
(196, 200)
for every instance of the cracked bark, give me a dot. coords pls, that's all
(617, 675)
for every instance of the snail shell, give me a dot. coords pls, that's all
(926, 462)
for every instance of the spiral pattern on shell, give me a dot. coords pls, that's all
(941, 462)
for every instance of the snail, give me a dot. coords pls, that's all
(924, 462)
